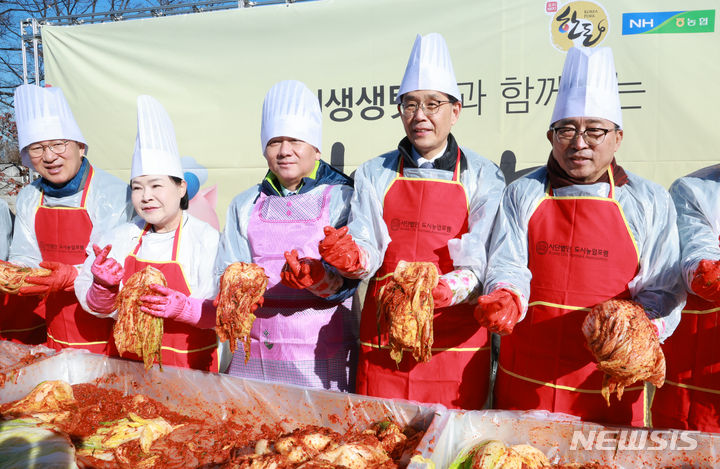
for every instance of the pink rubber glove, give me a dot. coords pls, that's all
(106, 271)
(61, 278)
(172, 304)
(442, 294)
(499, 311)
(301, 273)
(340, 251)
(101, 299)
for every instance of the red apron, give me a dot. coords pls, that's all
(580, 252)
(690, 398)
(422, 215)
(62, 234)
(22, 319)
(182, 345)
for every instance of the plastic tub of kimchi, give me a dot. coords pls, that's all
(566, 440)
(114, 413)
(14, 357)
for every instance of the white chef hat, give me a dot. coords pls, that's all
(43, 114)
(156, 149)
(290, 109)
(588, 86)
(429, 68)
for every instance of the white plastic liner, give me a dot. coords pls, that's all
(448, 432)
(553, 433)
(201, 394)
(12, 358)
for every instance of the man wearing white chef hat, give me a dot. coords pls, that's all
(429, 200)
(573, 234)
(57, 215)
(305, 332)
(163, 236)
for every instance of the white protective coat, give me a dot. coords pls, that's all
(650, 216)
(196, 255)
(108, 205)
(483, 183)
(697, 201)
(5, 230)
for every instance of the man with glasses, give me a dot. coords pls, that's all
(573, 234)
(56, 217)
(430, 201)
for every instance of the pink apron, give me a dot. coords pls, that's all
(297, 338)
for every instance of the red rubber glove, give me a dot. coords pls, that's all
(301, 273)
(499, 311)
(442, 295)
(706, 281)
(340, 251)
(62, 278)
(106, 271)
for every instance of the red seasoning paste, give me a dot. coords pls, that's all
(113, 430)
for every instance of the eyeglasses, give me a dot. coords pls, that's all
(592, 135)
(36, 151)
(410, 108)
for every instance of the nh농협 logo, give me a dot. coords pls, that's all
(668, 22)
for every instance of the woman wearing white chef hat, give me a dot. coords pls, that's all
(56, 216)
(163, 236)
(305, 333)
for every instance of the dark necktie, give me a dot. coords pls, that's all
(427, 165)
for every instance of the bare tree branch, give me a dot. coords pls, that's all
(12, 12)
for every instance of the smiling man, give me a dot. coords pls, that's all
(429, 200)
(571, 235)
(305, 333)
(57, 215)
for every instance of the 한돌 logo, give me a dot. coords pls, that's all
(582, 24)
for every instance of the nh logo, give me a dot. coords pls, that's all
(642, 23)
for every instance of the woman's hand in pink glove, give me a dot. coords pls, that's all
(172, 304)
(165, 303)
(106, 271)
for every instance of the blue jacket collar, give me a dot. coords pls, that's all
(71, 187)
